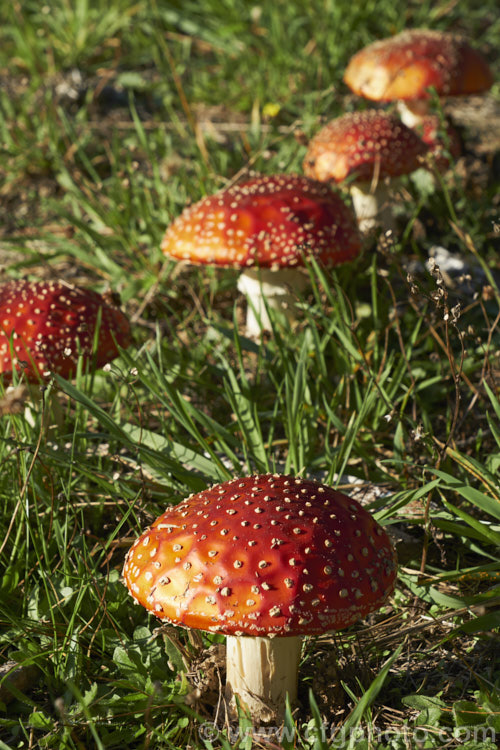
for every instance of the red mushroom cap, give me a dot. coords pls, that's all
(364, 144)
(263, 555)
(406, 65)
(50, 323)
(268, 221)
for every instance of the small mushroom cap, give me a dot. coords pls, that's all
(263, 555)
(363, 144)
(406, 65)
(271, 221)
(49, 323)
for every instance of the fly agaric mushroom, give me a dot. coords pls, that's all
(404, 67)
(46, 325)
(264, 560)
(370, 147)
(50, 323)
(267, 226)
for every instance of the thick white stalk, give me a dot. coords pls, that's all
(261, 671)
(276, 288)
(372, 206)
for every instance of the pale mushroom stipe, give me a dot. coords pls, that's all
(264, 560)
(403, 68)
(367, 148)
(266, 226)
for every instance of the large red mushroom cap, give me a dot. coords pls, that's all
(49, 324)
(270, 222)
(404, 66)
(363, 144)
(264, 555)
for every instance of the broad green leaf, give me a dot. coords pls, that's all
(484, 623)
(421, 702)
(466, 713)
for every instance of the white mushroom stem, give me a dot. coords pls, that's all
(413, 113)
(261, 672)
(372, 206)
(276, 289)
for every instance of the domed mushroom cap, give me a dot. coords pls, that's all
(364, 144)
(49, 323)
(272, 221)
(263, 555)
(406, 65)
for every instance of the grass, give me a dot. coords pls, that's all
(112, 120)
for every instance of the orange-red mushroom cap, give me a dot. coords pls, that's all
(46, 325)
(363, 144)
(405, 66)
(264, 555)
(269, 221)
